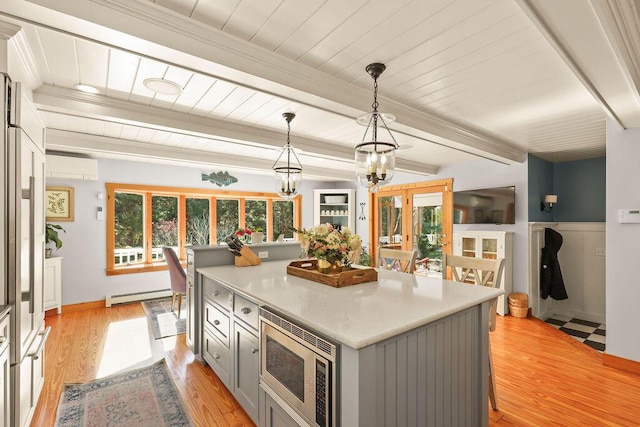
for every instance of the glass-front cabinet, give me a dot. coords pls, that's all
(488, 245)
(335, 207)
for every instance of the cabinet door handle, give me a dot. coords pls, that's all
(254, 350)
(216, 322)
(190, 263)
(216, 293)
(216, 356)
(2, 339)
(245, 310)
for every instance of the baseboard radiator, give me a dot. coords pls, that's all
(138, 296)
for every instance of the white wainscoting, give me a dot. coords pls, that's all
(582, 261)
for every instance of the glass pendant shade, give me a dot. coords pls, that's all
(287, 167)
(375, 164)
(375, 159)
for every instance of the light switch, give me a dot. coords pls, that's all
(100, 214)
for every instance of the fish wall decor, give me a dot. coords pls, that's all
(221, 179)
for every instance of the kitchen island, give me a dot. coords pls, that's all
(412, 349)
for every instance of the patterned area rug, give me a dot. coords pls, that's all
(145, 397)
(164, 322)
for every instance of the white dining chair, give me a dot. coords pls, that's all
(391, 259)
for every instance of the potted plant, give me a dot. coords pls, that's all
(52, 237)
(257, 236)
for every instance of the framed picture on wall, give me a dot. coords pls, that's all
(59, 204)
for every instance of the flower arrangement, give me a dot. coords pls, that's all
(243, 232)
(330, 245)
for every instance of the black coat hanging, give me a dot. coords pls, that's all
(551, 283)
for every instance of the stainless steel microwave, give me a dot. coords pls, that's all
(300, 368)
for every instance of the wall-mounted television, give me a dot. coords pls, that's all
(485, 206)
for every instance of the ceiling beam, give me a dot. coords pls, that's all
(587, 37)
(67, 101)
(187, 43)
(141, 151)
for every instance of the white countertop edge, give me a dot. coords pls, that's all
(336, 335)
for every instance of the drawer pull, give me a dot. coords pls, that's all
(245, 310)
(44, 334)
(216, 356)
(216, 322)
(216, 293)
(254, 350)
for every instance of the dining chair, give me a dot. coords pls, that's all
(177, 275)
(391, 259)
(482, 272)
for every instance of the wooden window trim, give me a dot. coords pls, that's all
(147, 191)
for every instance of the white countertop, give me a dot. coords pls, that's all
(357, 315)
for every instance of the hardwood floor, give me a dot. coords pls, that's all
(543, 377)
(93, 343)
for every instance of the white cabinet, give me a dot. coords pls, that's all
(336, 207)
(5, 369)
(490, 245)
(53, 283)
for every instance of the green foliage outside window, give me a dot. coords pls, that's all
(228, 218)
(282, 219)
(164, 215)
(197, 221)
(129, 222)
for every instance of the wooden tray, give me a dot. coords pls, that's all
(307, 269)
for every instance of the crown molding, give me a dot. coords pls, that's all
(621, 23)
(27, 61)
(8, 30)
(182, 41)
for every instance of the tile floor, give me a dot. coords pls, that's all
(591, 333)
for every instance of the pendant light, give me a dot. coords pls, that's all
(289, 177)
(375, 160)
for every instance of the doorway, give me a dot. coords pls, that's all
(414, 217)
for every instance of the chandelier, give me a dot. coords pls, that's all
(289, 177)
(375, 160)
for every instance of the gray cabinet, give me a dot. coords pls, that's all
(273, 415)
(246, 384)
(190, 301)
(230, 344)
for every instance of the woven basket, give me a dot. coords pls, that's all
(519, 305)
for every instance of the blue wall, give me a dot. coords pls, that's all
(540, 182)
(580, 186)
(581, 189)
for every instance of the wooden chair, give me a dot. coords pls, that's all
(391, 259)
(483, 272)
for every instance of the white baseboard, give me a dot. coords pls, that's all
(139, 296)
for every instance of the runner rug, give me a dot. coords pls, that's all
(144, 397)
(163, 321)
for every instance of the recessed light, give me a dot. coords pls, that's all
(87, 88)
(163, 86)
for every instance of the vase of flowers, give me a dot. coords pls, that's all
(244, 234)
(334, 249)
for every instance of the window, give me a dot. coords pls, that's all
(143, 219)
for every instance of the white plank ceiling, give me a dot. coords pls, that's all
(467, 79)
